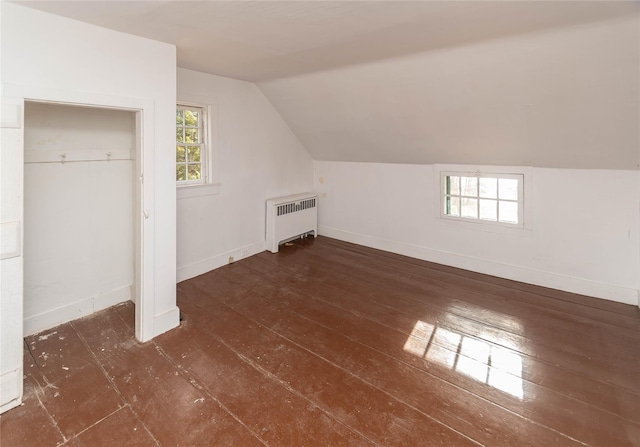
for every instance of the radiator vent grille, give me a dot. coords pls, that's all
(290, 217)
(296, 206)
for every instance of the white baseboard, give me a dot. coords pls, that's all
(523, 274)
(166, 321)
(10, 390)
(77, 309)
(214, 262)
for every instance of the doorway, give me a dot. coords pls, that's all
(80, 197)
(154, 297)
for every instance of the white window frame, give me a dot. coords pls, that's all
(208, 184)
(202, 136)
(520, 176)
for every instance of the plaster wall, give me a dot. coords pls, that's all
(51, 58)
(256, 157)
(581, 226)
(78, 215)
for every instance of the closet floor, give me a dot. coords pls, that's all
(328, 343)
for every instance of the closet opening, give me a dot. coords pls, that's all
(82, 224)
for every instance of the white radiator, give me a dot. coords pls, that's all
(290, 217)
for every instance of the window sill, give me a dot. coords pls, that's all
(186, 192)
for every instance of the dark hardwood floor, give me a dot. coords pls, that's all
(328, 343)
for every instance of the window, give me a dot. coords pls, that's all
(485, 197)
(191, 149)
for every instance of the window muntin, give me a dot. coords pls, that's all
(191, 151)
(483, 197)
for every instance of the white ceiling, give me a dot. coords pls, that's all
(535, 83)
(263, 40)
(565, 98)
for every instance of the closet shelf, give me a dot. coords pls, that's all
(61, 156)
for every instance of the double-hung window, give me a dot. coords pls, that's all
(483, 197)
(191, 145)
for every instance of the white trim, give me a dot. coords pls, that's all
(214, 262)
(205, 146)
(10, 115)
(145, 168)
(187, 191)
(480, 175)
(526, 192)
(166, 321)
(11, 270)
(211, 182)
(581, 286)
(10, 240)
(77, 309)
(74, 97)
(11, 389)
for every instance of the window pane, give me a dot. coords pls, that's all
(489, 209)
(189, 144)
(452, 206)
(180, 153)
(194, 153)
(194, 171)
(509, 212)
(452, 185)
(190, 118)
(191, 135)
(469, 208)
(489, 188)
(508, 188)
(469, 186)
(181, 173)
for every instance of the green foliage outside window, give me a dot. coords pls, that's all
(188, 145)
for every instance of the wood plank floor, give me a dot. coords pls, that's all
(328, 343)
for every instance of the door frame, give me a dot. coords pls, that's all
(12, 335)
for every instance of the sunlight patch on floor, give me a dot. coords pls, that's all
(497, 367)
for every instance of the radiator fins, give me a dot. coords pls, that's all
(288, 208)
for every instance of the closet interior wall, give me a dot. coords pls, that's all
(78, 211)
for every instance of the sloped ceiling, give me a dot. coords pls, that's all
(260, 40)
(509, 82)
(562, 98)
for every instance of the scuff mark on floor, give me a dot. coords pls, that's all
(46, 336)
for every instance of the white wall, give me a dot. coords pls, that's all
(46, 57)
(78, 215)
(258, 157)
(563, 103)
(582, 234)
